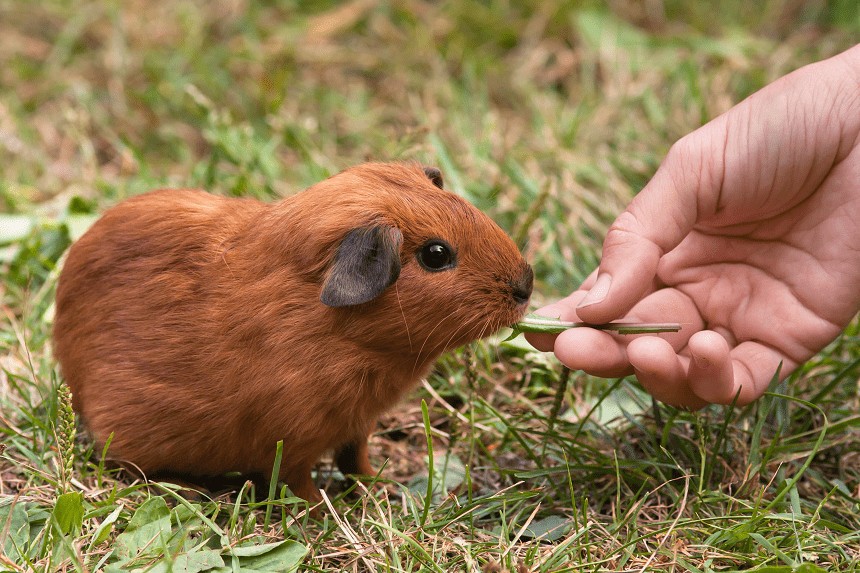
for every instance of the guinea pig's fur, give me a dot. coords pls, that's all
(200, 330)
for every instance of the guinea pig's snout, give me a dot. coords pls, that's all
(521, 287)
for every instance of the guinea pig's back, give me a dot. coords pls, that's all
(132, 293)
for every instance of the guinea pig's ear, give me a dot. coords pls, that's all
(366, 263)
(435, 176)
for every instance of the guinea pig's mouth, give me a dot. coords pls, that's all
(492, 322)
(518, 294)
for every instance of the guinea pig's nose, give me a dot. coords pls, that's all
(521, 288)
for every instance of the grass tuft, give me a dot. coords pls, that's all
(547, 115)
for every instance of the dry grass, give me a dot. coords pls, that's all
(548, 115)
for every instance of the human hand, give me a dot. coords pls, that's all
(747, 235)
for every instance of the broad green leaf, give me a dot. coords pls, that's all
(614, 409)
(193, 562)
(255, 550)
(450, 470)
(103, 530)
(809, 568)
(547, 529)
(69, 512)
(197, 561)
(282, 557)
(150, 522)
(15, 523)
(448, 474)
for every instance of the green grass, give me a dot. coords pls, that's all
(497, 463)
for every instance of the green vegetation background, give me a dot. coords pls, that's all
(548, 115)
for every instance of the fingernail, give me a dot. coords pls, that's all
(597, 292)
(548, 311)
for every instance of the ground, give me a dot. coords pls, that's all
(549, 116)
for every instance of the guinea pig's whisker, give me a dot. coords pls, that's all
(362, 383)
(438, 324)
(225, 248)
(483, 330)
(495, 347)
(430, 334)
(463, 326)
(403, 314)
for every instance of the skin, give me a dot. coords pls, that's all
(747, 235)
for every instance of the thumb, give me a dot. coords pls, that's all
(654, 223)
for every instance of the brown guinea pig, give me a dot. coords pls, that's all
(200, 330)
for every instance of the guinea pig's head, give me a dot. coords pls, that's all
(409, 266)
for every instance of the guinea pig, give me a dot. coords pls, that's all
(200, 330)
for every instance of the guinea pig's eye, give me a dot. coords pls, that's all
(435, 255)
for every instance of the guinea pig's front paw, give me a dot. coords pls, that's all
(301, 483)
(352, 459)
(303, 486)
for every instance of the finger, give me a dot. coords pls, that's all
(592, 351)
(711, 373)
(564, 309)
(603, 353)
(662, 372)
(667, 305)
(718, 374)
(655, 222)
(541, 341)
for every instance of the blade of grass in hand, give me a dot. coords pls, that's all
(547, 325)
